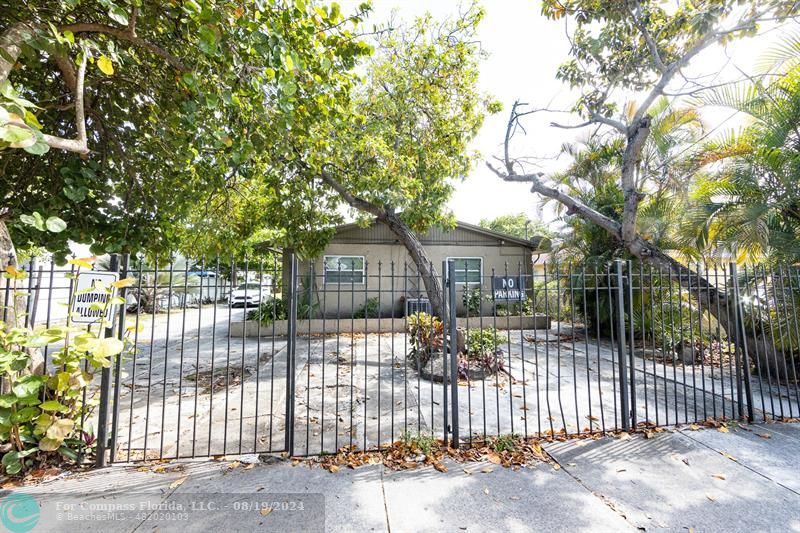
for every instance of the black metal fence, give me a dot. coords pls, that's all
(227, 357)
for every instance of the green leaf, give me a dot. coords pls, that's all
(53, 405)
(7, 400)
(55, 224)
(39, 148)
(28, 385)
(34, 220)
(10, 458)
(118, 15)
(69, 453)
(25, 414)
(15, 134)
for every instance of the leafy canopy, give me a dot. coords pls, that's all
(185, 102)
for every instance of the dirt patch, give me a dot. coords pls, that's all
(227, 376)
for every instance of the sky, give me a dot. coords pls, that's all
(524, 51)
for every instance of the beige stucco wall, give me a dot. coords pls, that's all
(391, 291)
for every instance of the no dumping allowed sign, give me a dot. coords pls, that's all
(88, 293)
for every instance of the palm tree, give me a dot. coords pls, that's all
(669, 160)
(750, 204)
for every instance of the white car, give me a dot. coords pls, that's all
(249, 295)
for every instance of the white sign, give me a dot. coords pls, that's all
(83, 311)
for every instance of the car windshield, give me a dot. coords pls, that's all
(248, 286)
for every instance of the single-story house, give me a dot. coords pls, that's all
(368, 266)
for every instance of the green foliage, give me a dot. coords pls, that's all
(482, 342)
(424, 443)
(612, 42)
(184, 125)
(40, 414)
(515, 225)
(748, 203)
(407, 131)
(471, 298)
(269, 311)
(503, 443)
(426, 336)
(370, 309)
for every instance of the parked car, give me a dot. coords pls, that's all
(249, 295)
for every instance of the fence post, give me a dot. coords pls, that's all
(291, 343)
(451, 293)
(123, 308)
(446, 349)
(741, 356)
(105, 393)
(632, 337)
(30, 302)
(622, 352)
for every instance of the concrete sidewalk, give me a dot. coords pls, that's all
(744, 480)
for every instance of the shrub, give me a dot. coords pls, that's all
(504, 443)
(370, 309)
(481, 342)
(471, 298)
(269, 311)
(40, 415)
(427, 336)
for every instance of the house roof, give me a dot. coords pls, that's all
(534, 244)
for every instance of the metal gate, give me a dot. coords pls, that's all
(322, 358)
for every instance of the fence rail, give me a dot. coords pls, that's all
(227, 357)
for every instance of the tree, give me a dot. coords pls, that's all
(126, 118)
(405, 140)
(640, 47)
(518, 225)
(748, 203)
(670, 157)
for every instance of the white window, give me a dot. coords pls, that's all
(468, 269)
(344, 269)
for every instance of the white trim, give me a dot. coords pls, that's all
(448, 259)
(363, 270)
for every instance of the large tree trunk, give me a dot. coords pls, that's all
(761, 351)
(430, 278)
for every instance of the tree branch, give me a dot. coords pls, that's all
(78, 145)
(128, 34)
(648, 38)
(350, 198)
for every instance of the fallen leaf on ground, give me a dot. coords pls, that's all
(711, 498)
(764, 435)
(487, 470)
(440, 467)
(719, 476)
(556, 466)
(723, 429)
(265, 511)
(178, 482)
